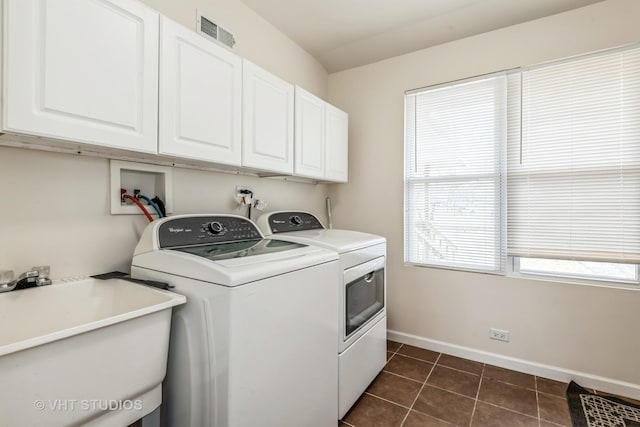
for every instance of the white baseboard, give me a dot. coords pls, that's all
(584, 379)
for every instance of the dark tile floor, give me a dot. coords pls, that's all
(419, 387)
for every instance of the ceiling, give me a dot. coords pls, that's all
(344, 34)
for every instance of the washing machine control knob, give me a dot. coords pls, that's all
(215, 227)
(295, 220)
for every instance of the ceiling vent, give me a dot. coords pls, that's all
(211, 30)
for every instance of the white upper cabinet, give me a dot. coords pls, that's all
(200, 97)
(322, 139)
(82, 71)
(116, 74)
(309, 140)
(267, 122)
(336, 144)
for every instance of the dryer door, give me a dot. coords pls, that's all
(364, 294)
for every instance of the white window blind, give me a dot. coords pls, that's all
(574, 171)
(454, 136)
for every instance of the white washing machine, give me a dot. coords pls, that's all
(255, 343)
(362, 351)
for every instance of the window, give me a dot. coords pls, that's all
(572, 170)
(605, 271)
(455, 136)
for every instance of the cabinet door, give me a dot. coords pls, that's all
(336, 144)
(267, 120)
(82, 70)
(200, 95)
(309, 140)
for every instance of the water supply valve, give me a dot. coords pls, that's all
(6, 277)
(37, 276)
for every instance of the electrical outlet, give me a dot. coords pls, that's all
(499, 334)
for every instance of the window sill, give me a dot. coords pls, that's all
(575, 281)
(535, 277)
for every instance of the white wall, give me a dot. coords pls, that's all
(55, 207)
(573, 327)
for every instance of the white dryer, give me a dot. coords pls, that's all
(255, 343)
(362, 351)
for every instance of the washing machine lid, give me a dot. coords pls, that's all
(226, 250)
(244, 248)
(306, 228)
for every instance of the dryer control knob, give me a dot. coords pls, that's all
(215, 227)
(295, 220)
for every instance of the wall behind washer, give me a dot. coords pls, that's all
(55, 207)
(573, 327)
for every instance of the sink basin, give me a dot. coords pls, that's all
(86, 352)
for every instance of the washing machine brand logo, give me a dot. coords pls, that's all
(179, 230)
(278, 221)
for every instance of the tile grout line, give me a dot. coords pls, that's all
(551, 394)
(461, 370)
(513, 410)
(535, 384)
(397, 350)
(420, 391)
(506, 409)
(475, 402)
(393, 353)
(386, 400)
(452, 392)
(513, 383)
(434, 386)
(464, 395)
(402, 376)
(486, 403)
(444, 366)
(416, 358)
(490, 404)
(538, 393)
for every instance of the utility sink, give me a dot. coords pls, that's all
(86, 352)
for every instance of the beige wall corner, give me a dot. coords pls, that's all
(574, 327)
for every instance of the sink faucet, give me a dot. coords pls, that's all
(37, 276)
